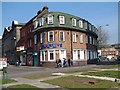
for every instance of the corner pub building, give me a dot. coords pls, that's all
(56, 35)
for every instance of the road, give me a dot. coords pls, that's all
(22, 71)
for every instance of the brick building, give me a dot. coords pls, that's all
(10, 37)
(56, 35)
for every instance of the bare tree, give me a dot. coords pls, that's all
(102, 36)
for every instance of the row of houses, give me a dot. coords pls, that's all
(49, 36)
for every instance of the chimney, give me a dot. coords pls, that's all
(39, 12)
(45, 8)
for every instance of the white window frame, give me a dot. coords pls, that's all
(41, 21)
(35, 24)
(85, 25)
(50, 19)
(75, 54)
(80, 23)
(74, 37)
(74, 22)
(42, 52)
(62, 19)
(41, 37)
(81, 38)
(53, 55)
(49, 36)
(35, 39)
(82, 54)
(30, 42)
(63, 36)
(90, 38)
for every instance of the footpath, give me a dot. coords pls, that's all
(38, 83)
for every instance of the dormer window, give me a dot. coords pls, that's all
(41, 21)
(80, 23)
(35, 24)
(62, 19)
(85, 25)
(50, 19)
(73, 22)
(90, 27)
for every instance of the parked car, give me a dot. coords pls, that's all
(3, 64)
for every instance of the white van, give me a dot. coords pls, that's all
(3, 64)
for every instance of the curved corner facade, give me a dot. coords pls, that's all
(55, 35)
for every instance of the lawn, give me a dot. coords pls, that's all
(111, 66)
(38, 76)
(74, 83)
(22, 87)
(6, 81)
(113, 74)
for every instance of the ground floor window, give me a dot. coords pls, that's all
(51, 55)
(75, 54)
(82, 54)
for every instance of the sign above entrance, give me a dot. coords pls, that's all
(48, 45)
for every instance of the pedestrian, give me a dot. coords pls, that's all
(69, 62)
(64, 62)
(59, 63)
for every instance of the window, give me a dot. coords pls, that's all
(50, 19)
(75, 54)
(35, 39)
(41, 37)
(61, 36)
(86, 38)
(35, 24)
(51, 55)
(82, 54)
(50, 36)
(74, 37)
(90, 40)
(62, 19)
(85, 25)
(41, 21)
(81, 38)
(80, 23)
(90, 27)
(73, 22)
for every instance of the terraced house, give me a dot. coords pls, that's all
(56, 35)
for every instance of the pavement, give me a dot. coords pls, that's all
(38, 83)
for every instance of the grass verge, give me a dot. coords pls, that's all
(113, 74)
(80, 83)
(6, 81)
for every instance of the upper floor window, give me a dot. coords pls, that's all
(80, 23)
(35, 24)
(81, 38)
(50, 36)
(90, 40)
(85, 25)
(74, 37)
(62, 19)
(35, 39)
(90, 27)
(61, 36)
(41, 21)
(73, 21)
(50, 19)
(41, 37)
(86, 38)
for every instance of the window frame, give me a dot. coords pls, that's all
(74, 37)
(81, 38)
(74, 22)
(50, 19)
(80, 23)
(35, 39)
(62, 19)
(49, 36)
(63, 36)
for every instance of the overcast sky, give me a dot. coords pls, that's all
(97, 13)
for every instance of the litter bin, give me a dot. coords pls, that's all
(4, 72)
